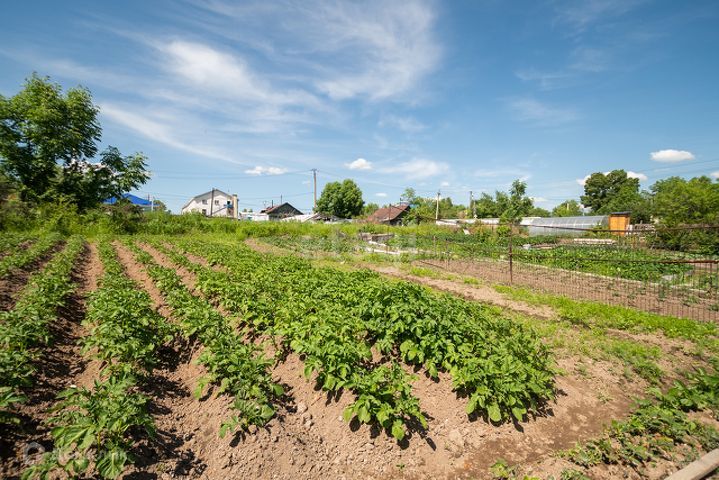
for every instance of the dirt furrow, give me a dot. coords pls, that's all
(455, 446)
(59, 367)
(11, 285)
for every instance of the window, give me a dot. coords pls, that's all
(217, 202)
(204, 201)
(204, 211)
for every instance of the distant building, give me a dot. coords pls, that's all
(391, 215)
(214, 203)
(281, 211)
(144, 203)
(314, 218)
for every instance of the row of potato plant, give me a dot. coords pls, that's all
(26, 326)
(91, 427)
(11, 240)
(660, 427)
(234, 366)
(501, 366)
(22, 257)
(332, 349)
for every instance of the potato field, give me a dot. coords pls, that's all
(219, 356)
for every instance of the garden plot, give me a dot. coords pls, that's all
(234, 364)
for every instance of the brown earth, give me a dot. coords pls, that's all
(16, 280)
(578, 285)
(309, 439)
(58, 367)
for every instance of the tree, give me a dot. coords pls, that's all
(568, 208)
(47, 139)
(611, 192)
(342, 200)
(539, 212)
(518, 204)
(677, 201)
(369, 209)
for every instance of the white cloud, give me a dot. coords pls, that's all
(223, 74)
(372, 49)
(444, 184)
(418, 168)
(672, 156)
(381, 194)
(715, 174)
(533, 111)
(539, 199)
(630, 174)
(406, 124)
(158, 131)
(258, 170)
(359, 164)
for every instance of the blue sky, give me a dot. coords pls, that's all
(451, 96)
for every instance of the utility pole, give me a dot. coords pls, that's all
(212, 202)
(314, 176)
(471, 202)
(436, 213)
(280, 199)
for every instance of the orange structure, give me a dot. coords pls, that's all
(619, 223)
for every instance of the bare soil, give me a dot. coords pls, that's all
(58, 367)
(479, 293)
(12, 284)
(308, 438)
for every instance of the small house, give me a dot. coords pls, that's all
(214, 203)
(390, 215)
(283, 210)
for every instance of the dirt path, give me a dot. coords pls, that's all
(477, 293)
(59, 367)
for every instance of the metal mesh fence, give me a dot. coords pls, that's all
(667, 271)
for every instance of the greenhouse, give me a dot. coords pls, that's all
(575, 226)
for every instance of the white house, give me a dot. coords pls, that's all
(214, 203)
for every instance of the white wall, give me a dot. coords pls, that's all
(200, 203)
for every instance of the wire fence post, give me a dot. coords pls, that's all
(511, 263)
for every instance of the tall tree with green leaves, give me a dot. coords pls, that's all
(47, 141)
(678, 201)
(342, 200)
(611, 192)
(568, 208)
(517, 203)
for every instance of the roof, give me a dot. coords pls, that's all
(388, 214)
(135, 200)
(206, 193)
(277, 207)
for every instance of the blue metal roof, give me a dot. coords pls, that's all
(135, 200)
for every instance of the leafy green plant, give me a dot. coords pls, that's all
(332, 318)
(384, 395)
(24, 257)
(94, 424)
(27, 325)
(234, 366)
(656, 427)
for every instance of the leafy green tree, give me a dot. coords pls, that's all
(47, 139)
(568, 208)
(678, 201)
(539, 212)
(486, 206)
(369, 209)
(518, 204)
(611, 192)
(343, 200)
